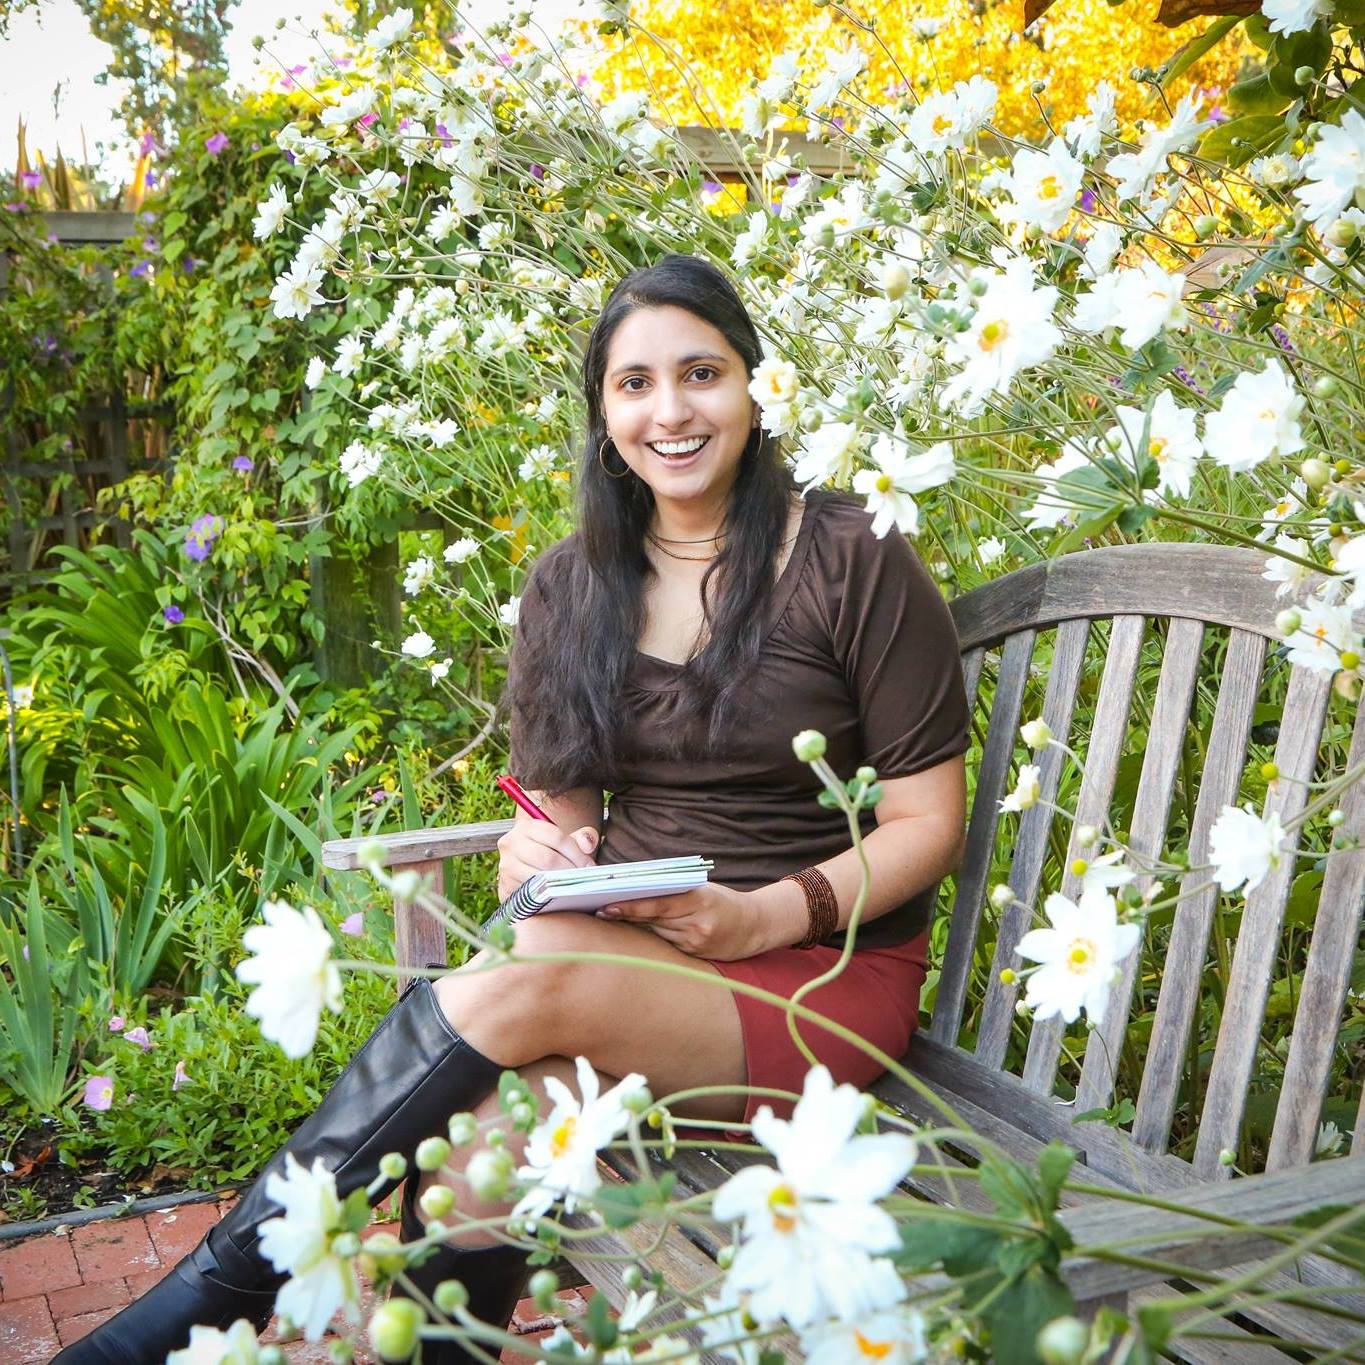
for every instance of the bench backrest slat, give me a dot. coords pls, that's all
(1160, 762)
(1248, 986)
(976, 864)
(1183, 965)
(1092, 807)
(1322, 992)
(1030, 845)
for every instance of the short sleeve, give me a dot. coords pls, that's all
(895, 637)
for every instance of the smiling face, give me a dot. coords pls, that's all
(675, 397)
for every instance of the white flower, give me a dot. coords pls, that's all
(296, 292)
(989, 550)
(1323, 635)
(1026, 790)
(440, 433)
(1294, 16)
(773, 382)
(438, 671)
(349, 355)
(300, 1243)
(898, 475)
(1243, 847)
(1349, 561)
(418, 574)
(561, 1153)
(1275, 172)
(948, 119)
(1086, 132)
(777, 87)
(1329, 1140)
(1286, 572)
(393, 28)
(379, 186)
(509, 613)
(894, 1336)
(493, 235)
(321, 245)
(294, 975)
(1100, 250)
(1136, 171)
(418, 645)
(1037, 733)
(315, 373)
(812, 1227)
(358, 461)
(828, 453)
(1106, 873)
(1167, 435)
(1140, 301)
(444, 222)
(208, 1346)
(729, 1326)
(1334, 169)
(749, 240)
(460, 551)
(1052, 507)
(839, 217)
(270, 213)
(352, 105)
(539, 461)
(841, 69)
(1011, 330)
(1079, 955)
(1044, 185)
(1259, 417)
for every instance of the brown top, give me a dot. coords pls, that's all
(861, 647)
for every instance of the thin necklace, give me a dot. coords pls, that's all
(673, 554)
(669, 540)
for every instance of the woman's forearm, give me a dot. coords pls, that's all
(904, 856)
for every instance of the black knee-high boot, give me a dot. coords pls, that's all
(412, 1073)
(493, 1276)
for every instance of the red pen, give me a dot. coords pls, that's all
(512, 787)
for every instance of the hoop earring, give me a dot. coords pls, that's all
(625, 467)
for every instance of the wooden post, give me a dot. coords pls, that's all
(419, 937)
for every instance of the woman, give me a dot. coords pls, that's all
(667, 653)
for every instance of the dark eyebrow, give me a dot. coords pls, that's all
(685, 361)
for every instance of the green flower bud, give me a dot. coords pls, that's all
(393, 1166)
(370, 855)
(346, 1244)
(808, 746)
(1227, 1157)
(432, 1154)
(544, 1285)
(450, 1296)
(497, 1139)
(405, 885)
(895, 280)
(272, 1355)
(866, 775)
(393, 1329)
(1325, 385)
(382, 1254)
(1350, 659)
(1341, 467)
(1288, 621)
(1342, 233)
(1002, 896)
(1087, 836)
(341, 1352)
(812, 420)
(1063, 1341)
(1304, 75)
(725, 1257)
(1037, 734)
(1205, 226)
(1079, 867)
(637, 1101)
(1008, 976)
(437, 1201)
(1270, 771)
(523, 1114)
(1021, 1009)
(1336, 817)
(632, 1277)
(1315, 472)
(489, 1173)
(463, 1129)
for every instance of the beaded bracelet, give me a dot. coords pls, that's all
(821, 903)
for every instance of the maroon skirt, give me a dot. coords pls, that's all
(876, 996)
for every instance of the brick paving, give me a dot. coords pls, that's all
(57, 1286)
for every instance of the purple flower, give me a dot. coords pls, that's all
(443, 133)
(837, 122)
(181, 1078)
(149, 146)
(1186, 378)
(711, 186)
(366, 119)
(116, 1023)
(151, 180)
(353, 926)
(1281, 339)
(141, 270)
(140, 1037)
(16, 208)
(189, 265)
(404, 123)
(537, 171)
(290, 157)
(244, 463)
(201, 535)
(173, 615)
(99, 1092)
(150, 244)
(216, 144)
(1088, 201)
(31, 179)
(505, 58)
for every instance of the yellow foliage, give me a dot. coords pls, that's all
(699, 69)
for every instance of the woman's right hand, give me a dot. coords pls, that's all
(540, 846)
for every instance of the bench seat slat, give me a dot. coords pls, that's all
(1030, 846)
(1239, 1033)
(1092, 805)
(418, 845)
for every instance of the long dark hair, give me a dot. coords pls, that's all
(568, 688)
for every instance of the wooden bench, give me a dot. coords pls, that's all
(1136, 630)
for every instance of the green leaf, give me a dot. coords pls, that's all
(1009, 1187)
(1197, 47)
(1255, 134)
(1054, 1165)
(1019, 1312)
(1256, 95)
(930, 1239)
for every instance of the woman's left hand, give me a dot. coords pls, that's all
(711, 921)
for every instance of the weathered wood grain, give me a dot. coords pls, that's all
(1151, 807)
(1092, 806)
(976, 863)
(1030, 845)
(1183, 967)
(1239, 1033)
(418, 845)
(419, 937)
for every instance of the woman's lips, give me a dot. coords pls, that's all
(679, 461)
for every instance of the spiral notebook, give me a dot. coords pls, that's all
(590, 888)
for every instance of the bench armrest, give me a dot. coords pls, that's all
(418, 845)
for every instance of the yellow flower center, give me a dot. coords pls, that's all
(1080, 955)
(874, 1350)
(1049, 187)
(562, 1137)
(943, 124)
(992, 334)
(782, 1202)
(883, 483)
(1157, 449)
